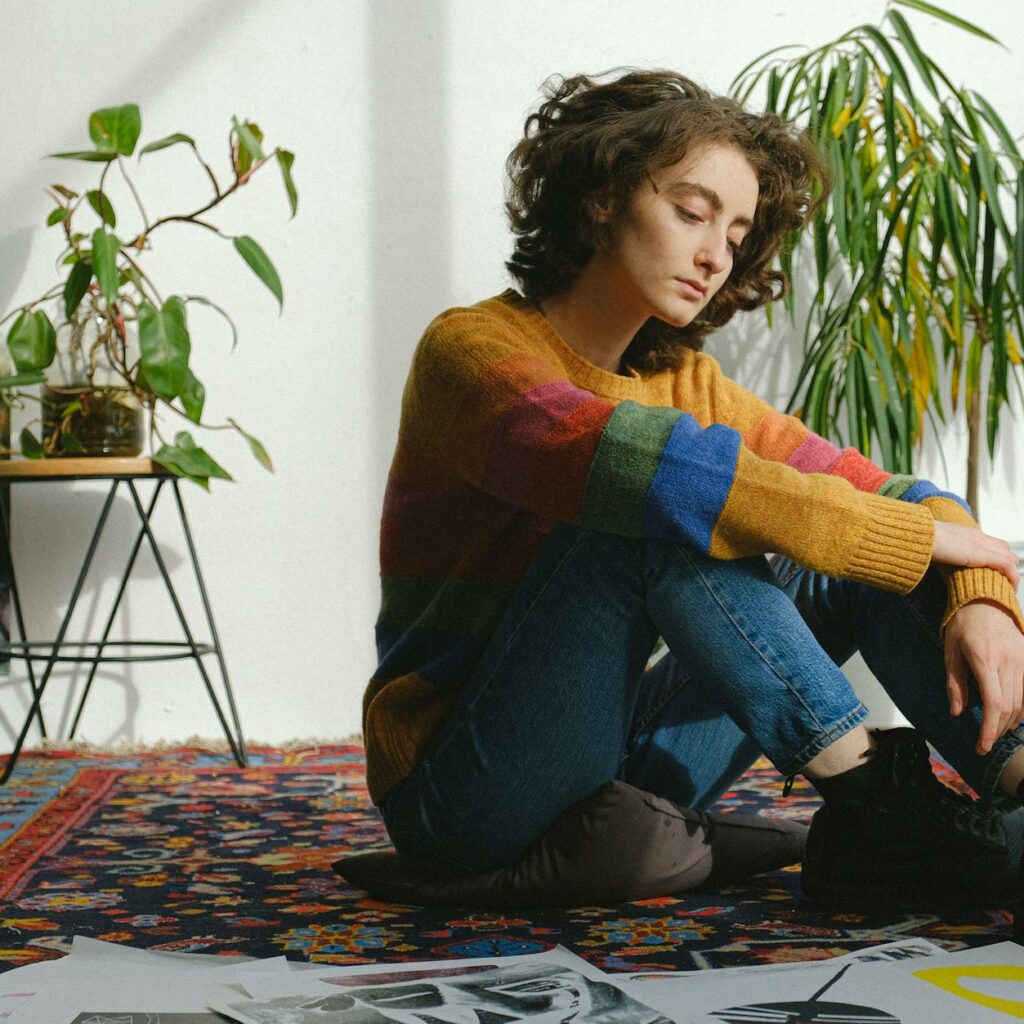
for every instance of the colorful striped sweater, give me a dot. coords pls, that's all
(506, 430)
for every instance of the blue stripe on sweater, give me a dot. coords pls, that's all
(926, 489)
(692, 482)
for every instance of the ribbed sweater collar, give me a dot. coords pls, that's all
(582, 372)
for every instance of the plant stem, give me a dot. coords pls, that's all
(51, 294)
(135, 193)
(192, 218)
(144, 277)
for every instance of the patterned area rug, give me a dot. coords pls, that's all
(180, 850)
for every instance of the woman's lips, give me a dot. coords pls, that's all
(691, 290)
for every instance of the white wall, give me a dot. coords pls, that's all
(401, 115)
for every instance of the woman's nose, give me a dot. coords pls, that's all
(714, 256)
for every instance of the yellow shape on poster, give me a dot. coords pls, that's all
(948, 979)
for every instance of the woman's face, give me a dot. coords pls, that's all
(674, 247)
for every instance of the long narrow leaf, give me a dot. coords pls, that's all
(906, 37)
(996, 123)
(1018, 249)
(943, 15)
(899, 72)
(259, 262)
(987, 172)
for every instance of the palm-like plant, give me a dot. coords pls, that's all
(916, 255)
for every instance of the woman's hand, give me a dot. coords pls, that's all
(984, 638)
(967, 546)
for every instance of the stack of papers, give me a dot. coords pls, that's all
(896, 983)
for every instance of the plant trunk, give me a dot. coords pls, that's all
(973, 453)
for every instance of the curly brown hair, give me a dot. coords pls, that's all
(592, 140)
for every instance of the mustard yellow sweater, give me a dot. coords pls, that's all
(506, 430)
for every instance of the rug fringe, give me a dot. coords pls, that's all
(191, 743)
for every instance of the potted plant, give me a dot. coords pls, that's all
(916, 257)
(105, 343)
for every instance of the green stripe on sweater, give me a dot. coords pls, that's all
(897, 486)
(465, 607)
(627, 458)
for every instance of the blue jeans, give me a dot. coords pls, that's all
(561, 702)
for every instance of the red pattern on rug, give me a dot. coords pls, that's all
(181, 850)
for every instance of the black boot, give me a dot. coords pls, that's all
(891, 835)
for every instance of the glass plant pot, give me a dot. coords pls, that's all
(83, 420)
(87, 408)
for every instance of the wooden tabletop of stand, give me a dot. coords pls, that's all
(69, 468)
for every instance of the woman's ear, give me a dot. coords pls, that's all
(600, 208)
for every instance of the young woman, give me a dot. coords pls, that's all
(574, 478)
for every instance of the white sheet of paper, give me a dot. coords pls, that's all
(312, 982)
(885, 952)
(65, 1001)
(541, 988)
(905, 992)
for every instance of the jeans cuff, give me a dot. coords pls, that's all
(794, 763)
(1001, 753)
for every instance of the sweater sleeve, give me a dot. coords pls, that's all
(783, 438)
(507, 420)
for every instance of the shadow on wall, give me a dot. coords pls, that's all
(44, 597)
(46, 531)
(411, 194)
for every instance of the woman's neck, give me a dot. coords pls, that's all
(592, 319)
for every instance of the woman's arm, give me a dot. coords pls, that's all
(982, 570)
(504, 419)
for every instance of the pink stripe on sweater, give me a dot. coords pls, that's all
(815, 455)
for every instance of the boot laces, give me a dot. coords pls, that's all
(906, 761)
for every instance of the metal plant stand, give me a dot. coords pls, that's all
(127, 473)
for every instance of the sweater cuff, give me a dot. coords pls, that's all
(966, 585)
(895, 548)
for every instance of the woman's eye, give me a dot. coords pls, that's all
(688, 214)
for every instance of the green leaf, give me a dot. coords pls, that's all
(105, 247)
(22, 380)
(944, 15)
(32, 341)
(165, 346)
(906, 37)
(987, 173)
(116, 129)
(877, 415)
(973, 213)
(213, 305)
(764, 56)
(899, 72)
(76, 286)
(285, 161)
(255, 446)
(30, 446)
(860, 80)
(988, 258)
(1018, 254)
(193, 397)
(167, 140)
(996, 123)
(186, 459)
(949, 214)
(839, 197)
(258, 260)
(889, 118)
(65, 192)
(91, 155)
(57, 215)
(69, 442)
(102, 205)
(249, 149)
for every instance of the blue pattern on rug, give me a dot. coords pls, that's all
(181, 850)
